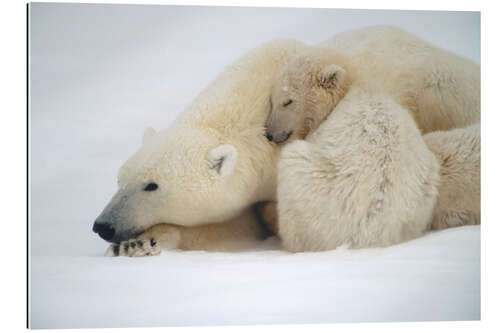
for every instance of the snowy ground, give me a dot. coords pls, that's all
(99, 76)
(433, 278)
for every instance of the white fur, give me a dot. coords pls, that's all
(208, 209)
(459, 154)
(332, 75)
(149, 136)
(212, 163)
(223, 159)
(366, 176)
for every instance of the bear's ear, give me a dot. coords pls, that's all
(149, 136)
(331, 76)
(222, 159)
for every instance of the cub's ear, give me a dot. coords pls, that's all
(222, 159)
(149, 136)
(331, 76)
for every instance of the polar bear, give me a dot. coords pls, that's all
(192, 185)
(436, 89)
(305, 92)
(364, 178)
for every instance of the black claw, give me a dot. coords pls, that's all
(148, 254)
(116, 249)
(132, 244)
(125, 247)
(153, 242)
(140, 243)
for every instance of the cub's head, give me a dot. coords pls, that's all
(303, 95)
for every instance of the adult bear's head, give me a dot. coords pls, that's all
(185, 176)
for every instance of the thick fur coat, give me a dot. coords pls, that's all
(193, 185)
(366, 176)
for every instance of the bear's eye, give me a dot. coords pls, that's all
(287, 102)
(151, 187)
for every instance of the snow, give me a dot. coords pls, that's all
(436, 277)
(102, 74)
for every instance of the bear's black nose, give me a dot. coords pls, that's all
(104, 229)
(269, 136)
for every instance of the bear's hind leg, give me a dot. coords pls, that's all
(459, 153)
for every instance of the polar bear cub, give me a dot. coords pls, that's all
(367, 177)
(364, 178)
(304, 93)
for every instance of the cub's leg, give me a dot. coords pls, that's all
(364, 178)
(459, 153)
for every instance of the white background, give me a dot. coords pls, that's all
(13, 181)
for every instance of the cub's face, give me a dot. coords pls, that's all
(288, 118)
(301, 98)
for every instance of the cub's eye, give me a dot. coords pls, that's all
(288, 102)
(151, 187)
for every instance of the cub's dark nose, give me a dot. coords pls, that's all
(104, 229)
(269, 136)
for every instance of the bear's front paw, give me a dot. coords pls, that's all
(135, 248)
